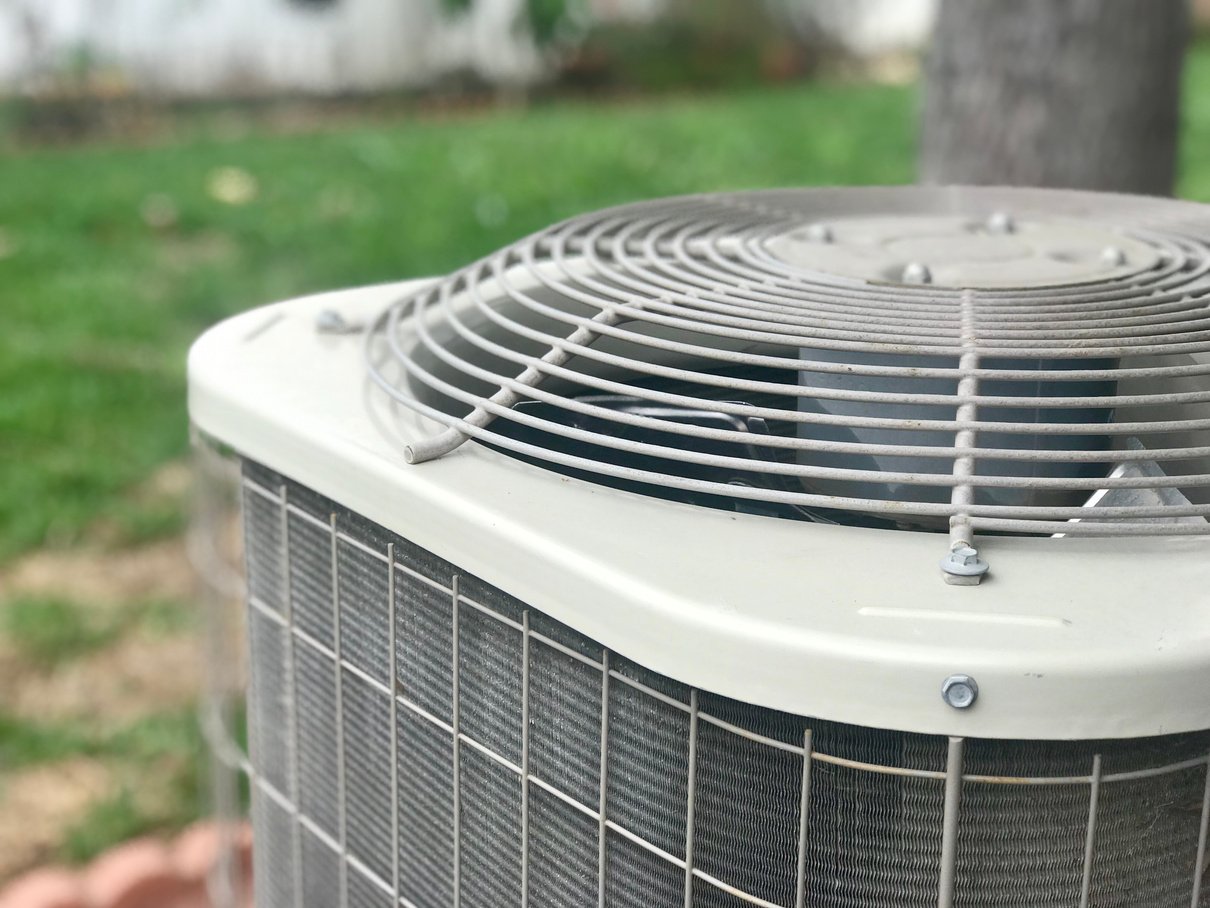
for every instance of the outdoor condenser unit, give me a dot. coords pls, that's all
(829, 548)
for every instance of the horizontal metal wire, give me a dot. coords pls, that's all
(866, 389)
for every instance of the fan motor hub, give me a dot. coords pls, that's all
(962, 252)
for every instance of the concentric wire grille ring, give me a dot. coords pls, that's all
(672, 345)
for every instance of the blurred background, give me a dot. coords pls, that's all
(165, 163)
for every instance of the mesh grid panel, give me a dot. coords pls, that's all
(275, 870)
(320, 872)
(392, 764)
(318, 764)
(310, 578)
(490, 684)
(366, 721)
(424, 616)
(365, 892)
(491, 831)
(563, 853)
(425, 812)
(565, 723)
(638, 878)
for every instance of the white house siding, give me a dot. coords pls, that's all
(865, 28)
(197, 47)
(216, 47)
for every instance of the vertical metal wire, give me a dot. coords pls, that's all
(1090, 837)
(429, 448)
(691, 799)
(255, 793)
(341, 794)
(950, 822)
(804, 806)
(603, 828)
(457, 749)
(392, 661)
(1199, 868)
(968, 386)
(292, 782)
(525, 759)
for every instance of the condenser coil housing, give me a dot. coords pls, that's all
(829, 548)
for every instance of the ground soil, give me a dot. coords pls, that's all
(144, 671)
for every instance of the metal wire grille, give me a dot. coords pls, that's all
(671, 344)
(500, 758)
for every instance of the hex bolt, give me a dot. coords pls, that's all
(963, 566)
(1001, 222)
(960, 691)
(1113, 255)
(819, 233)
(329, 321)
(917, 273)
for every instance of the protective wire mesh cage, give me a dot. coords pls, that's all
(982, 360)
(417, 737)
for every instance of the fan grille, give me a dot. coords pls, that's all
(437, 743)
(676, 344)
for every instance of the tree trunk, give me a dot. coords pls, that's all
(1069, 93)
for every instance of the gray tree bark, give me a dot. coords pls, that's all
(1069, 93)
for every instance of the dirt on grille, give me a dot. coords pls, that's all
(39, 804)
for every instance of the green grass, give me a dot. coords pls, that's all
(47, 632)
(114, 819)
(99, 308)
(1194, 161)
(26, 743)
(159, 763)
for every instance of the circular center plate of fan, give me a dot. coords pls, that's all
(962, 252)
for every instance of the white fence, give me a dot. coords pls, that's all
(216, 47)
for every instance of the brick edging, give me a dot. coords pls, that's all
(143, 873)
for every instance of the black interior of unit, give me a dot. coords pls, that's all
(702, 416)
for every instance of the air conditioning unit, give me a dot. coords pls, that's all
(835, 548)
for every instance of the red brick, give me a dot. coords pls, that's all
(244, 844)
(196, 851)
(50, 887)
(195, 898)
(138, 874)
